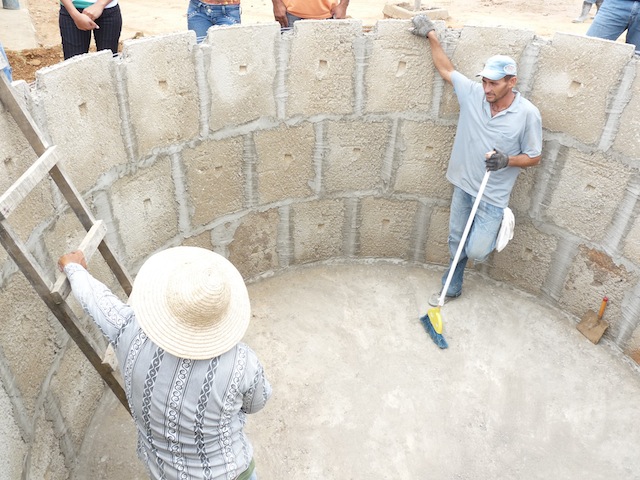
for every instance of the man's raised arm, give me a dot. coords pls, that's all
(424, 27)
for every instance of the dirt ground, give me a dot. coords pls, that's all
(151, 17)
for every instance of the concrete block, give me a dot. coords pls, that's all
(631, 244)
(521, 195)
(574, 79)
(356, 151)
(399, 74)
(38, 206)
(403, 10)
(82, 115)
(525, 262)
(26, 327)
(423, 156)
(77, 387)
(627, 139)
(242, 78)
(16, 156)
(285, 166)
(387, 227)
(100, 457)
(317, 230)
(474, 47)
(593, 275)
(437, 244)
(587, 194)
(13, 447)
(214, 179)
(203, 241)
(633, 346)
(322, 66)
(162, 90)
(144, 207)
(253, 249)
(64, 236)
(47, 459)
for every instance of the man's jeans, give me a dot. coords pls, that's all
(614, 17)
(202, 16)
(481, 239)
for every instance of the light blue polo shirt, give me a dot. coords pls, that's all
(516, 130)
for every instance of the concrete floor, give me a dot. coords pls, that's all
(361, 391)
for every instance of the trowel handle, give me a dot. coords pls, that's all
(603, 305)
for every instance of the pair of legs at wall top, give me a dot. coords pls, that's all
(586, 8)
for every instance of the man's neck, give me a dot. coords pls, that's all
(504, 103)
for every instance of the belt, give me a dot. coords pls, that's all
(220, 2)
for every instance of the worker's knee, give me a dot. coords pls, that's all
(479, 247)
(479, 255)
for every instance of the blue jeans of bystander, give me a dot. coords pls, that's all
(481, 239)
(4, 64)
(616, 16)
(202, 16)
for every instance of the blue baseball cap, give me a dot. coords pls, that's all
(498, 67)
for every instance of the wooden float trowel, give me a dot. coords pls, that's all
(592, 325)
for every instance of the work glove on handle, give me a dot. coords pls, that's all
(422, 25)
(497, 160)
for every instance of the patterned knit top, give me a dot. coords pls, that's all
(189, 413)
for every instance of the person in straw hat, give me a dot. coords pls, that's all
(189, 379)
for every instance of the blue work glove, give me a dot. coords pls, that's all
(497, 160)
(422, 25)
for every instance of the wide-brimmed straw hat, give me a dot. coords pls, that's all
(192, 302)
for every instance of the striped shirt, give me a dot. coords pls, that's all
(189, 413)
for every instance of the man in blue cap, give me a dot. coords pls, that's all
(498, 130)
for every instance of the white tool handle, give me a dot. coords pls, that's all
(463, 240)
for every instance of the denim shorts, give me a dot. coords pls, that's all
(202, 16)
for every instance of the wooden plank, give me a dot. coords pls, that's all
(62, 311)
(17, 192)
(22, 118)
(62, 288)
(25, 260)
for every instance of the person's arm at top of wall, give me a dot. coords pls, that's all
(440, 59)
(424, 27)
(82, 21)
(280, 13)
(340, 10)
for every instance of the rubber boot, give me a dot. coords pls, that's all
(585, 13)
(598, 5)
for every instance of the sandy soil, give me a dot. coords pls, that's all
(151, 17)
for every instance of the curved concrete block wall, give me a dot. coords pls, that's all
(328, 143)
